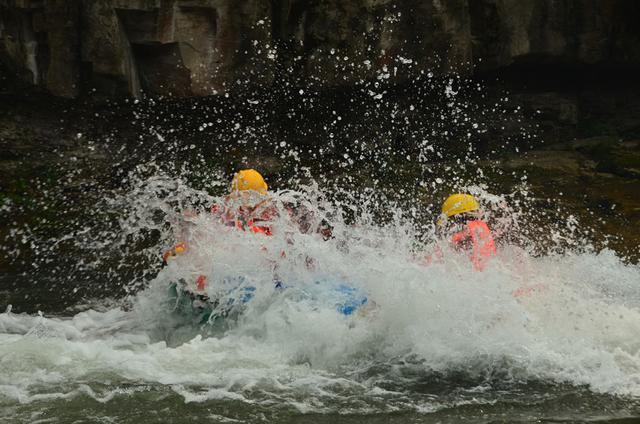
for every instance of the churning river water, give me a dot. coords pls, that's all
(548, 332)
(552, 337)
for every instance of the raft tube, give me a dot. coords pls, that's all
(345, 298)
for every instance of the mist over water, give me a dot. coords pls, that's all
(554, 315)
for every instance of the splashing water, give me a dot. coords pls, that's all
(551, 316)
(427, 325)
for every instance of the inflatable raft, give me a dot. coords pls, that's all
(204, 308)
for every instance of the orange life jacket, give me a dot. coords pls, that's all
(251, 226)
(237, 220)
(479, 235)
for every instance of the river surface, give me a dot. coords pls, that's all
(532, 337)
(548, 332)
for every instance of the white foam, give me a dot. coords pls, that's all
(579, 324)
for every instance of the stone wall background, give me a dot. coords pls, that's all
(203, 47)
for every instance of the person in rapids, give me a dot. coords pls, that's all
(462, 224)
(252, 210)
(249, 207)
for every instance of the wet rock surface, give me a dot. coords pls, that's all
(204, 47)
(596, 179)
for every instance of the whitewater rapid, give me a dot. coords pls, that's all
(577, 323)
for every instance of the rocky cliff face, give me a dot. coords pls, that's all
(203, 47)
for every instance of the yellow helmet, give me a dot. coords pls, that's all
(249, 179)
(459, 203)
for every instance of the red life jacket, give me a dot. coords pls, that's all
(240, 222)
(256, 229)
(482, 244)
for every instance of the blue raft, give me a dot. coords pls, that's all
(202, 308)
